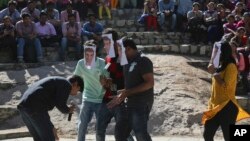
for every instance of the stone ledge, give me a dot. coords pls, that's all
(244, 101)
(14, 133)
(7, 112)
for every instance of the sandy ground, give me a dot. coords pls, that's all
(181, 95)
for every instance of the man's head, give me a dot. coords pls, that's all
(72, 18)
(43, 17)
(77, 84)
(26, 18)
(196, 6)
(114, 36)
(92, 19)
(89, 52)
(31, 5)
(246, 16)
(12, 5)
(7, 20)
(130, 47)
(50, 5)
(107, 43)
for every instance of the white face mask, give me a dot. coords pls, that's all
(109, 45)
(123, 57)
(92, 64)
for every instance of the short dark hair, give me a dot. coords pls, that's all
(24, 15)
(128, 42)
(91, 15)
(30, 1)
(113, 32)
(43, 13)
(78, 79)
(12, 2)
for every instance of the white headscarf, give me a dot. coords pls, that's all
(93, 60)
(123, 56)
(111, 51)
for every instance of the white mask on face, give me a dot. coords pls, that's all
(93, 60)
(123, 57)
(111, 50)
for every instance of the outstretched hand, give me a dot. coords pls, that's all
(117, 99)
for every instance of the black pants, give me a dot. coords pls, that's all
(224, 119)
(9, 42)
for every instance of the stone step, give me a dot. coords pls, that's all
(157, 38)
(244, 101)
(51, 53)
(187, 49)
(131, 14)
(7, 112)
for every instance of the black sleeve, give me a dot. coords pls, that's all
(62, 96)
(146, 66)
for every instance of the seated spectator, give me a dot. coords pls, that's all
(69, 11)
(71, 36)
(183, 7)
(52, 13)
(166, 12)
(211, 21)
(10, 11)
(195, 23)
(7, 36)
(104, 4)
(245, 22)
(46, 31)
(240, 37)
(150, 9)
(26, 36)
(132, 3)
(230, 26)
(93, 30)
(32, 11)
(239, 9)
(89, 4)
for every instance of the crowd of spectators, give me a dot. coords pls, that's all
(42, 23)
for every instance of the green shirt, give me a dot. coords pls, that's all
(93, 90)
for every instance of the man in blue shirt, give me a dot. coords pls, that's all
(93, 30)
(166, 12)
(10, 11)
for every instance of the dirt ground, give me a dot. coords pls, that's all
(181, 95)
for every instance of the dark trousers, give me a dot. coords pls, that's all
(48, 41)
(224, 119)
(136, 119)
(9, 42)
(86, 7)
(38, 124)
(104, 118)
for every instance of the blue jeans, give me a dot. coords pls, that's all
(132, 2)
(38, 124)
(136, 119)
(162, 19)
(86, 113)
(104, 118)
(21, 42)
(64, 44)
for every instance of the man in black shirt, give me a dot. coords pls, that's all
(42, 97)
(138, 92)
